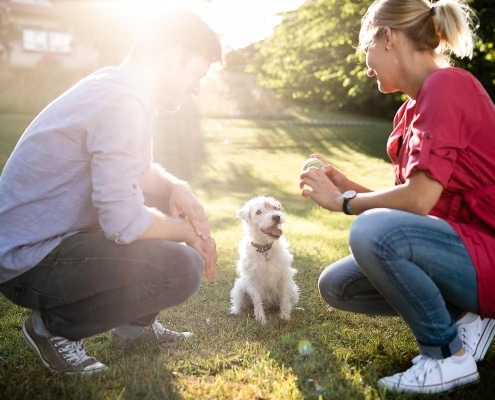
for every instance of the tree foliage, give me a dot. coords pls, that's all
(482, 65)
(311, 57)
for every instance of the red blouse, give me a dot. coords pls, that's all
(449, 133)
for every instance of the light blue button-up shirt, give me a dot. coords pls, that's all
(78, 166)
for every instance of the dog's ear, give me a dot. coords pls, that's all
(243, 213)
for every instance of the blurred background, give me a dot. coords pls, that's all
(282, 57)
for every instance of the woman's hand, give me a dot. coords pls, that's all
(321, 189)
(336, 176)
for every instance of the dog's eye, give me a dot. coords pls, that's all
(258, 212)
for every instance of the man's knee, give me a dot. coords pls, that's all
(195, 266)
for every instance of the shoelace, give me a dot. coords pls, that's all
(160, 330)
(463, 337)
(418, 371)
(72, 352)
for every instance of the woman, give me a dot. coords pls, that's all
(422, 249)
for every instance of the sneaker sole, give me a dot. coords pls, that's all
(33, 345)
(446, 387)
(485, 341)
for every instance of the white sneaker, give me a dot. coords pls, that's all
(154, 333)
(428, 375)
(476, 334)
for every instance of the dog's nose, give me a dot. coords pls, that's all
(276, 218)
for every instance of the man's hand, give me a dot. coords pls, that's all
(181, 200)
(183, 203)
(207, 248)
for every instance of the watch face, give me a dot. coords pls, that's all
(349, 194)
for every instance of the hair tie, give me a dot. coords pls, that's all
(433, 11)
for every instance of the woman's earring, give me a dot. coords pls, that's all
(386, 48)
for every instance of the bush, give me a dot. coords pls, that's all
(28, 90)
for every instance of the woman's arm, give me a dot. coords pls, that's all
(418, 194)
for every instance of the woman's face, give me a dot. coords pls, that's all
(382, 65)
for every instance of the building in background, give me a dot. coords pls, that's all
(37, 32)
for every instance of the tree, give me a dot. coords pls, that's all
(9, 31)
(311, 58)
(482, 65)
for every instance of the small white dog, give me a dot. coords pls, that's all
(264, 272)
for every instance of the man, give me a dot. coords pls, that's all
(92, 232)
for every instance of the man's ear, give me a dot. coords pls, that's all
(171, 58)
(176, 55)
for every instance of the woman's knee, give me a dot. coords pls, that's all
(370, 227)
(335, 280)
(327, 286)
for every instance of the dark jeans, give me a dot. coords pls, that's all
(88, 284)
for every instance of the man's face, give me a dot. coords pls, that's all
(179, 78)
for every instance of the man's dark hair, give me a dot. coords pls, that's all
(181, 27)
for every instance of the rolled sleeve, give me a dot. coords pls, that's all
(130, 233)
(120, 147)
(437, 162)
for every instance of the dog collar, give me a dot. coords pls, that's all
(262, 248)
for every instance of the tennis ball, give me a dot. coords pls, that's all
(305, 347)
(311, 162)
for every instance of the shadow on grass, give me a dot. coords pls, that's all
(138, 373)
(369, 139)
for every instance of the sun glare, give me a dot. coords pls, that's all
(239, 23)
(140, 9)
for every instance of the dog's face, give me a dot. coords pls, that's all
(263, 218)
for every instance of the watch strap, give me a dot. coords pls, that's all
(346, 207)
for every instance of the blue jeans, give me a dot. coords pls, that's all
(408, 265)
(88, 284)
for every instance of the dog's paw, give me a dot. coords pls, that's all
(285, 315)
(235, 310)
(260, 316)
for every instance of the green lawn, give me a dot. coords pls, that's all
(228, 161)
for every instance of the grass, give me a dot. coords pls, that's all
(229, 160)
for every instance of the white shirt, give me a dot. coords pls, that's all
(78, 166)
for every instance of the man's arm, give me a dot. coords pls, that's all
(182, 201)
(193, 229)
(181, 230)
(157, 181)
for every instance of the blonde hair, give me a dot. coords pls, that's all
(443, 27)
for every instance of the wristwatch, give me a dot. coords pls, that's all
(348, 195)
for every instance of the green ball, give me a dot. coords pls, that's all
(305, 348)
(311, 162)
